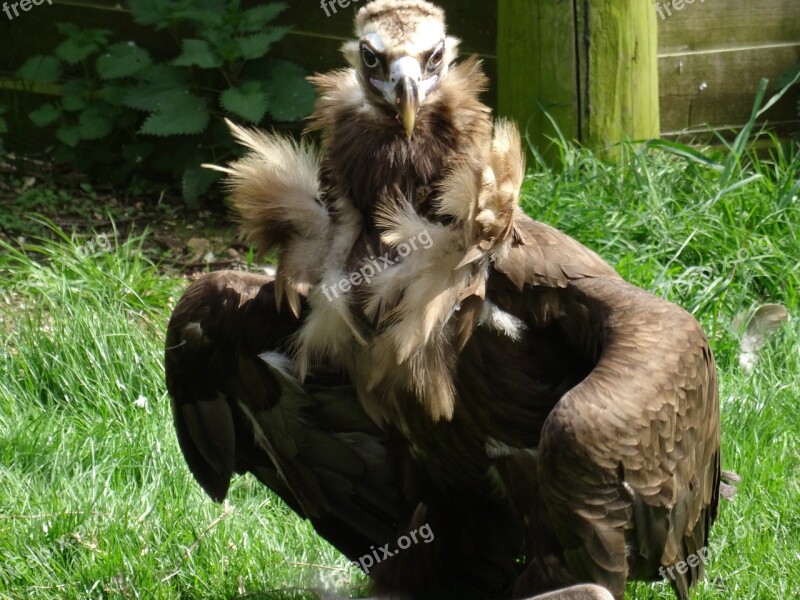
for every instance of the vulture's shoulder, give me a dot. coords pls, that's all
(540, 255)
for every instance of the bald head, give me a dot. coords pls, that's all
(401, 54)
(403, 25)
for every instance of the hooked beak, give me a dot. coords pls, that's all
(405, 90)
(407, 103)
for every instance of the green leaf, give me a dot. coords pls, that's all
(150, 12)
(210, 16)
(197, 53)
(74, 50)
(161, 85)
(45, 115)
(291, 96)
(256, 46)
(69, 135)
(256, 18)
(41, 69)
(122, 60)
(96, 122)
(185, 116)
(72, 95)
(114, 92)
(247, 101)
(196, 181)
(153, 97)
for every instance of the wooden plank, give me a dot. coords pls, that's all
(537, 67)
(617, 48)
(718, 88)
(711, 24)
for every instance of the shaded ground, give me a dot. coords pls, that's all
(182, 239)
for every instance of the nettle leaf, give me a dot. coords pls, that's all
(122, 60)
(256, 18)
(151, 12)
(160, 85)
(45, 115)
(96, 122)
(196, 181)
(248, 101)
(72, 95)
(41, 69)
(291, 97)
(114, 92)
(69, 135)
(210, 16)
(197, 53)
(76, 48)
(152, 97)
(72, 51)
(256, 46)
(186, 115)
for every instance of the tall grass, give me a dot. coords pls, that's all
(96, 501)
(670, 220)
(95, 498)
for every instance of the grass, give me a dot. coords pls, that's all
(96, 501)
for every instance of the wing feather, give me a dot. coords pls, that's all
(238, 409)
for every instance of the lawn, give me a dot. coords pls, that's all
(95, 498)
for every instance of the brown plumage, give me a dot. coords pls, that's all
(429, 355)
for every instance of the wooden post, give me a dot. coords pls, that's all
(592, 64)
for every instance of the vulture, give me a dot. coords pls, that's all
(464, 401)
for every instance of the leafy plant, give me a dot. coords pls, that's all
(118, 103)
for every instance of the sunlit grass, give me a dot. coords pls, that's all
(666, 226)
(95, 498)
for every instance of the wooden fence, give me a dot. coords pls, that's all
(711, 54)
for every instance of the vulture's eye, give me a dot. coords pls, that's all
(435, 61)
(369, 58)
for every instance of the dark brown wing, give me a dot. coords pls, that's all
(628, 459)
(237, 409)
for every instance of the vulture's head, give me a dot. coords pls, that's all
(401, 55)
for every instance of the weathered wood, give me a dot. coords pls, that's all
(591, 65)
(537, 67)
(718, 88)
(715, 24)
(619, 71)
